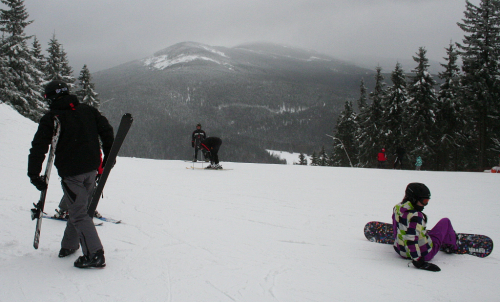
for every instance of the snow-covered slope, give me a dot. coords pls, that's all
(254, 233)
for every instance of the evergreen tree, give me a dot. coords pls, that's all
(363, 98)
(422, 109)
(332, 161)
(314, 159)
(57, 67)
(86, 89)
(395, 126)
(370, 136)
(450, 120)
(480, 52)
(302, 159)
(19, 86)
(345, 145)
(36, 52)
(323, 157)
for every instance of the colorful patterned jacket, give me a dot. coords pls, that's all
(410, 235)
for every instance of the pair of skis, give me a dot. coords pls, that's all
(37, 212)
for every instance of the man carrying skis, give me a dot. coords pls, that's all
(196, 138)
(411, 238)
(77, 159)
(212, 145)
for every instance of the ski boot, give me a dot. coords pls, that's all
(96, 260)
(65, 252)
(97, 214)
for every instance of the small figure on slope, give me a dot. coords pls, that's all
(77, 159)
(400, 153)
(211, 145)
(418, 164)
(381, 158)
(411, 238)
(196, 138)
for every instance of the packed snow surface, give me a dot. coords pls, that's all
(254, 233)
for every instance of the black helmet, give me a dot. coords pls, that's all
(416, 191)
(56, 88)
(199, 125)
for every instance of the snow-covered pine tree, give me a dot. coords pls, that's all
(422, 109)
(370, 136)
(5, 84)
(19, 86)
(480, 52)
(36, 52)
(302, 159)
(86, 91)
(450, 121)
(314, 159)
(57, 67)
(363, 96)
(395, 127)
(345, 141)
(323, 157)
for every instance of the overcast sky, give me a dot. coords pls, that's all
(106, 33)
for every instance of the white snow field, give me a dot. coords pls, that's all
(255, 233)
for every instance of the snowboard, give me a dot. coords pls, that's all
(121, 133)
(472, 244)
(37, 211)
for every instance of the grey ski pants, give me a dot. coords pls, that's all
(80, 229)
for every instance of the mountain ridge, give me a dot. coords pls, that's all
(255, 96)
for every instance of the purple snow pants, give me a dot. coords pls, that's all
(441, 233)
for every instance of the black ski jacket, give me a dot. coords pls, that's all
(198, 136)
(211, 144)
(78, 149)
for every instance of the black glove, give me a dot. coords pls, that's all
(38, 181)
(421, 264)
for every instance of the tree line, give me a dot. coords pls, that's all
(454, 126)
(25, 70)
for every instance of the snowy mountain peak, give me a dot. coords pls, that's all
(186, 52)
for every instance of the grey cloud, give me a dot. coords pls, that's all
(103, 34)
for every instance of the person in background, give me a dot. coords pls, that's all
(382, 158)
(400, 153)
(196, 138)
(77, 158)
(418, 164)
(211, 145)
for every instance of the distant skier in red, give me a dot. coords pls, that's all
(382, 158)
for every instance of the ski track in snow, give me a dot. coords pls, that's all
(255, 233)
